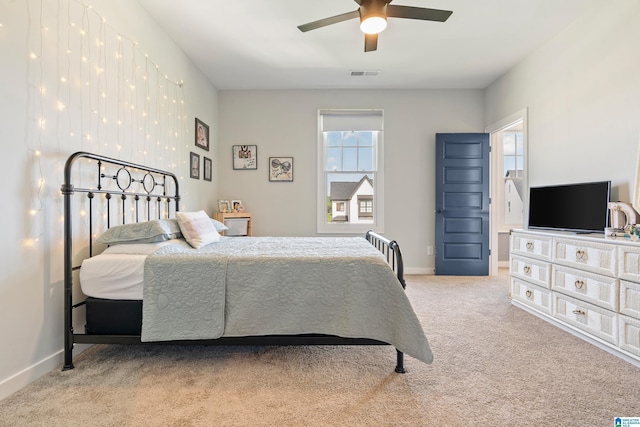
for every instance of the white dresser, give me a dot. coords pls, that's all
(588, 285)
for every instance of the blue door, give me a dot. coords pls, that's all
(462, 204)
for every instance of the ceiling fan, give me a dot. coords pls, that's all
(373, 16)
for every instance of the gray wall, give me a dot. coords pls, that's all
(31, 252)
(284, 123)
(582, 89)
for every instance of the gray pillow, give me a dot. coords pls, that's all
(156, 230)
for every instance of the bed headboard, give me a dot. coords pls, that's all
(120, 191)
(114, 192)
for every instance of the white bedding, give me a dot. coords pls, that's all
(118, 272)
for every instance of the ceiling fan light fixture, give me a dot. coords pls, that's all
(373, 16)
(373, 24)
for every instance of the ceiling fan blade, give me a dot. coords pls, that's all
(370, 42)
(418, 13)
(328, 21)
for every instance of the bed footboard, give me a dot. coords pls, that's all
(391, 250)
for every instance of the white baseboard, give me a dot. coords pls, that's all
(35, 371)
(29, 374)
(419, 271)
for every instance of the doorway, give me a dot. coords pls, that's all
(462, 204)
(509, 184)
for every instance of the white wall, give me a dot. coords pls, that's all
(284, 123)
(582, 90)
(52, 87)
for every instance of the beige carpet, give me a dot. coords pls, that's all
(495, 365)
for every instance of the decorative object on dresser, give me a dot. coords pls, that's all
(249, 291)
(245, 157)
(622, 215)
(588, 285)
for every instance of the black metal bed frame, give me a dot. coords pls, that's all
(122, 185)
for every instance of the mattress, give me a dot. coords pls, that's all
(118, 272)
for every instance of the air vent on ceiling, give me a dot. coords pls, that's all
(364, 73)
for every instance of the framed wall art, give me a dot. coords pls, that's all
(195, 165)
(245, 157)
(202, 135)
(207, 166)
(281, 169)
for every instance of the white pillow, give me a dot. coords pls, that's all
(197, 228)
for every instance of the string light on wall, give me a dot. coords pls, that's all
(91, 89)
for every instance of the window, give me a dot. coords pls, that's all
(365, 207)
(350, 175)
(513, 171)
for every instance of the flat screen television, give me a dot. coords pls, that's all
(580, 207)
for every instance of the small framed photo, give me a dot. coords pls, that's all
(224, 206)
(195, 165)
(202, 135)
(236, 205)
(281, 169)
(245, 157)
(207, 165)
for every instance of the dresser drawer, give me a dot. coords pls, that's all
(595, 257)
(592, 319)
(531, 295)
(537, 272)
(629, 263)
(629, 334)
(600, 290)
(630, 299)
(531, 246)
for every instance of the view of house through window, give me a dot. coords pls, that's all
(513, 172)
(349, 149)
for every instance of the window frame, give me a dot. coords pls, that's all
(324, 227)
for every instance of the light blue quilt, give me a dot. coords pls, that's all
(254, 286)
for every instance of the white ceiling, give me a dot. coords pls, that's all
(255, 44)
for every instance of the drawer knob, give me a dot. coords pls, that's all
(579, 284)
(580, 254)
(579, 312)
(529, 293)
(527, 269)
(529, 245)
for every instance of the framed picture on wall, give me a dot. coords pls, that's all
(202, 135)
(245, 157)
(207, 165)
(281, 169)
(195, 165)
